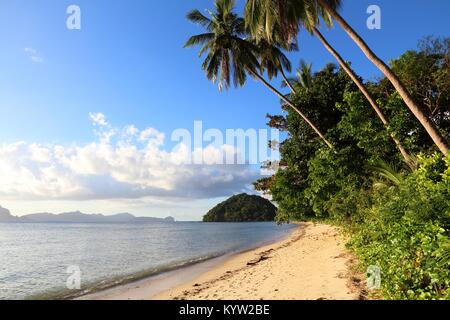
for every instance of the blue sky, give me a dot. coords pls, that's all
(128, 63)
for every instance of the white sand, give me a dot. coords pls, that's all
(312, 264)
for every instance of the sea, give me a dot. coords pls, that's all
(64, 261)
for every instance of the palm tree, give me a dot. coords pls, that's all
(263, 15)
(303, 77)
(309, 16)
(230, 54)
(273, 60)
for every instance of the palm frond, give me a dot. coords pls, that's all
(196, 16)
(388, 171)
(264, 17)
(304, 74)
(199, 39)
(444, 254)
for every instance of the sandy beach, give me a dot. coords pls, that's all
(312, 264)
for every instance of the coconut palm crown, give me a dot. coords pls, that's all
(265, 16)
(229, 55)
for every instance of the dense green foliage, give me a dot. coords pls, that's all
(381, 176)
(397, 214)
(405, 231)
(242, 208)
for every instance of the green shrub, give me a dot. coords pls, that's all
(406, 233)
(408, 254)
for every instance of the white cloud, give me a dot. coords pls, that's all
(34, 55)
(151, 133)
(130, 131)
(98, 119)
(130, 165)
(37, 59)
(31, 51)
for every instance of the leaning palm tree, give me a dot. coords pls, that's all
(331, 7)
(230, 54)
(263, 15)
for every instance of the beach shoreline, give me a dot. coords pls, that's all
(310, 264)
(147, 287)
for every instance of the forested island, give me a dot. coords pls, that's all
(242, 208)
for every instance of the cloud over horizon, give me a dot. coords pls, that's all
(122, 163)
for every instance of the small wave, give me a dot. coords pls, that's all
(117, 280)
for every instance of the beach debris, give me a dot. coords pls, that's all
(256, 261)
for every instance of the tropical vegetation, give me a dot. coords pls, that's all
(371, 157)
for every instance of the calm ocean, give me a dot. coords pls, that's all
(34, 258)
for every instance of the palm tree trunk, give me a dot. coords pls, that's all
(287, 81)
(429, 126)
(291, 104)
(344, 65)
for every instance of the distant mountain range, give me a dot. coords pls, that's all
(77, 217)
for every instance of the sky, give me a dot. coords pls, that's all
(86, 116)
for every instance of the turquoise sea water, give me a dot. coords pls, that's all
(35, 258)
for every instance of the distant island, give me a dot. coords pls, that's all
(242, 208)
(77, 217)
